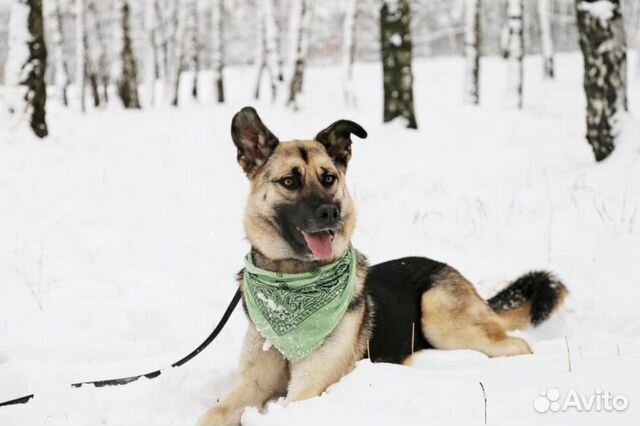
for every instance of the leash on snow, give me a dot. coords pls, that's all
(156, 373)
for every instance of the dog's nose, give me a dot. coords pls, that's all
(327, 214)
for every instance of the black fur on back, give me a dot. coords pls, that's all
(541, 288)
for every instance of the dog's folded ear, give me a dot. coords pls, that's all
(254, 140)
(337, 140)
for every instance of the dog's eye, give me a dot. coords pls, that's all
(290, 182)
(328, 180)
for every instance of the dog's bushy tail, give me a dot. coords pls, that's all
(529, 300)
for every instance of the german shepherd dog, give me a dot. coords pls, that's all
(300, 216)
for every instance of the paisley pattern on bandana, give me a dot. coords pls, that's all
(296, 312)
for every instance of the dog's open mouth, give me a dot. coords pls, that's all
(320, 243)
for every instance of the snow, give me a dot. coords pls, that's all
(121, 234)
(601, 9)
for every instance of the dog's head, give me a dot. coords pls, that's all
(299, 206)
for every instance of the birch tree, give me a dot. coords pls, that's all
(514, 53)
(80, 54)
(259, 61)
(272, 46)
(178, 56)
(395, 24)
(546, 39)
(61, 66)
(299, 44)
(603, 44)
(217, 34)
(151, 58)
(27, 64)
(348, 53)
(193, 29)
(472, 39)
(128, 84)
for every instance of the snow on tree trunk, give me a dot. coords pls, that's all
(299, 31)
(217, 34)
(80, 54)
(26, 64)
(602, 41)
(395, 23)
(128, 84)
(272, 46)
(472, 39)
(150, 52)
(61, 66)
(348, 53)
(546, 40)
(515, 53)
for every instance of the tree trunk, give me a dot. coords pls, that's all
(349, 53)
(395, 23)
(217, 33)
(178, 57)
(27, 64)
(80, 54)
(472, 39)
(150, 60)
(300, 28)
(515, 53)
(602, 41)
(62, 74)
(546, 39)
(90, 52)
(194, 45)
(128, 84)
(272, 46)
(259, 62)
(98, 62)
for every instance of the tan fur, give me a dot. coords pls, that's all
(263, 232)
(518, 318)
(454, 316)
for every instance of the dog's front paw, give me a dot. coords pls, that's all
(220, 416)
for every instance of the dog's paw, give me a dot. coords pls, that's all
(220, 416)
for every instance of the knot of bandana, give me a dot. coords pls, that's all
(296, 312)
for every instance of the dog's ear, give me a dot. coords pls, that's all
(337, 140)
(254, 141)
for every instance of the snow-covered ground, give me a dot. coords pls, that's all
(121, 233)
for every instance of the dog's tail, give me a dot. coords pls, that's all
(529, 300)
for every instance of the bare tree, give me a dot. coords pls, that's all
(150, 71)
(61, 66)
(349, 52)
(513, 41)
(395, 24)
(546, 39)
(80, 54)
(27, 64)
(603, 44)
(128, 84)
(193, 29)
(179, 52)
(300, 31)
(272, 46)
(260, 62)
(217, 34)
(472, 38)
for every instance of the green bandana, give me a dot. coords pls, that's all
(296, 312)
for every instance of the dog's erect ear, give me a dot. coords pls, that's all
(337, 140)
(254, 141)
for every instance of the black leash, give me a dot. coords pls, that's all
(156, 373)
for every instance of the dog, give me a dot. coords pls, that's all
(300, 217)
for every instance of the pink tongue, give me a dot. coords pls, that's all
(319, 244)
